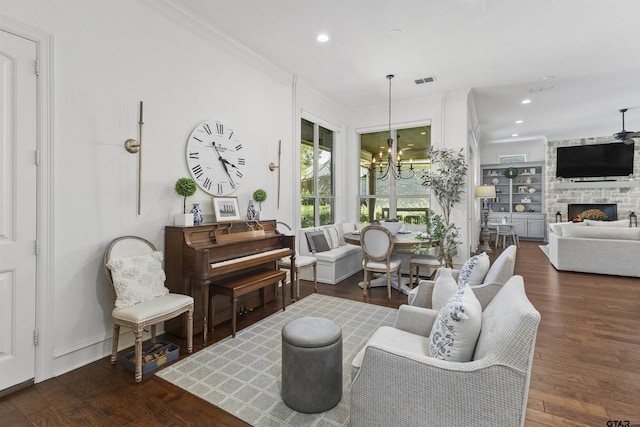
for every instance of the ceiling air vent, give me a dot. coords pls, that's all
(425, 80)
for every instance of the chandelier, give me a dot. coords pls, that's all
(392, 167)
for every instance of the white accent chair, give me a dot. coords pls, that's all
(147, 313)
(500, 271)
(377, 244)
(490, 390)
(301, 262)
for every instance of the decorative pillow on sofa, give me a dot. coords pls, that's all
(317, 241)
(456, 329)
(137, 279)
(617, 223)
(332, 236)
(474, 270)
(443, 288)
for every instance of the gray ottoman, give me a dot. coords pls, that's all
(311, 364)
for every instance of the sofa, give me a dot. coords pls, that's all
(601, 247)
(337, 259)
(396, 380)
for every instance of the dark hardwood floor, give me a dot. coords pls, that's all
(586, 370)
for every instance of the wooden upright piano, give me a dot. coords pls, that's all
(196, 256)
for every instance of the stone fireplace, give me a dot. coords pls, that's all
(576, 211)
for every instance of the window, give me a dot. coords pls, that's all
(316, 175)
(405, 199)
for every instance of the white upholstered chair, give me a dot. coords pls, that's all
(490, 390)
(377, 244)
(500, 271)
(301, 262)
(153, 309)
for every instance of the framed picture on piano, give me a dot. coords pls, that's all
(226, 209)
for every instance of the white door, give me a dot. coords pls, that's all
(17, 209)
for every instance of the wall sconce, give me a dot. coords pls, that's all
(133, 147)
(558, 216)
(273, 166)
(633, 220)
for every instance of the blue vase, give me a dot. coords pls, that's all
(198, 216)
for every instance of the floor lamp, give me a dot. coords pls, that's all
(485, 192)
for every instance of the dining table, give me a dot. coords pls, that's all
(403, 240)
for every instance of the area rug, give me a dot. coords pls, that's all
(545, 249)
(242, 375)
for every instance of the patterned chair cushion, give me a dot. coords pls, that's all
(456, 329)
(474, 270)
(137, 279)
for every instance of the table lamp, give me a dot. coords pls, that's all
(485, 192)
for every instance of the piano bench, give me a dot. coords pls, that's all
(237, 286)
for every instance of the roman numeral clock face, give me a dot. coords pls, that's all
(215, 159)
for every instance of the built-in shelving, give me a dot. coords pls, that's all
(520, 198)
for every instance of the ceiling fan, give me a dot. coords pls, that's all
(624, 135)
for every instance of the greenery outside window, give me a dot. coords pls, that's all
(405, 199)
(316, 175)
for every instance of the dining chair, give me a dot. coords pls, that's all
(300, 263)
(133, 268)
(425, 261)
(377, 244)
(506, 231)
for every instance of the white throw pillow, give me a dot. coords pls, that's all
(443, 288)
(456, 329)
(474, 270)
(617, 223)
(332, 236)
(137, 279)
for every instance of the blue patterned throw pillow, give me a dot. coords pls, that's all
(474, 270)
(455, 332)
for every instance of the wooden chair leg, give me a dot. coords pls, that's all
(114, 345)
(297, 284)
(365, 283)
(315, 277)
(190, 330)
(138, 352)
(389, 284)
(411, 275)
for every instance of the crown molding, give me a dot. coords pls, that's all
(194, 24)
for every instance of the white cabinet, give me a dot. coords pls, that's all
(531, 226)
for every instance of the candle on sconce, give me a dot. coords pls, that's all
(141, 112)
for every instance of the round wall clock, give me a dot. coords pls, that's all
(214, 157)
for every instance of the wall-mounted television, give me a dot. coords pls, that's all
(595, 161)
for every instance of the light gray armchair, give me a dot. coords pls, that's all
(499, 272)
(395, 382)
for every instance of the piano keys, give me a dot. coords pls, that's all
(196, 256)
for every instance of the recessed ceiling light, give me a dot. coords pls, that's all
(547, 78)
(322, 38)
(395, 32)
(519, 122)
(526, 101)
(514, 134)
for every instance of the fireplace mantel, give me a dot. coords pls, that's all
(594, 184)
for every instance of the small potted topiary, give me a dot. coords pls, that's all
(259, 196)
(185, 187)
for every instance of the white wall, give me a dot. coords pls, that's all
(533, 148)
(109, 55)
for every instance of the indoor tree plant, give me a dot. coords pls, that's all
(185, 187)
(446, 179)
